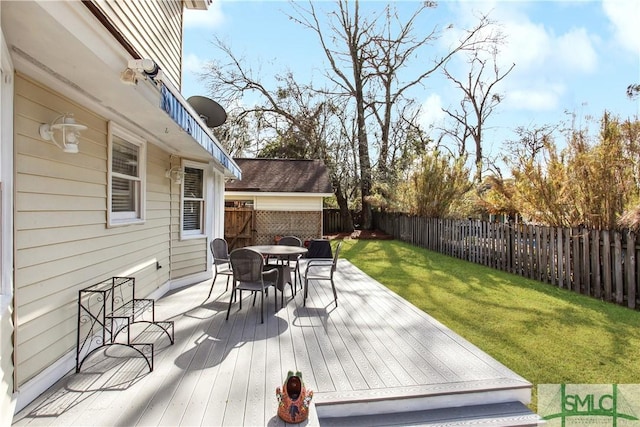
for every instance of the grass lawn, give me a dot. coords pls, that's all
(543, 333)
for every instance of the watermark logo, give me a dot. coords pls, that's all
(568, 405)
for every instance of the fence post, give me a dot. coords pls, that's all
(595, 263)
(630, 266)
(553, 264)
(617, 264)
(586, 276)
(606, 265)
(575, 255)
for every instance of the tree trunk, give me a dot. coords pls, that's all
(346, 220)
(363, 147)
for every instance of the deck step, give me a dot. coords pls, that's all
(497, 414)
(421, 397)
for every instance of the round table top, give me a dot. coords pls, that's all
(281, 250)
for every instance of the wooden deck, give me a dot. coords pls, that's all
(373, 354)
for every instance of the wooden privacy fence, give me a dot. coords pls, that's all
(599, 263)
(331, 222)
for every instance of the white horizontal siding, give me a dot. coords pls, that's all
(288, 203)
(188, 256)
(279, 201)
(153, 28)
(62, 241)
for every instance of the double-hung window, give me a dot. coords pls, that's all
(193, 201)
(126, 177)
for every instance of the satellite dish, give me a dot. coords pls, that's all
(209, 110)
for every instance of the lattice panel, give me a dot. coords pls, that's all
(305, 225)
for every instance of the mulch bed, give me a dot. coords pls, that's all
(361, 235)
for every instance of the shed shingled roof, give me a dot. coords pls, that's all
(281, 176)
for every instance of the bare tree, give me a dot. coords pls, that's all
(239, 134)
(290, 103)
(531, 141)
(392, 48)
(366, 55)
(290, 121)
(347, 25)
(479, 97)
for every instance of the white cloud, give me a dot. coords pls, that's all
(528, 45)
(574, 51)
(213, 17)
(542, 98)
(534, 48)
(546, 61)
(193, 64)
(624, 15)
(431, 111)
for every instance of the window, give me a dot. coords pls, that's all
(193, 206)
(126, 177)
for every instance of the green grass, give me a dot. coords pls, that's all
(543, 333)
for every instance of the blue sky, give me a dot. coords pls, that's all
(575, 56)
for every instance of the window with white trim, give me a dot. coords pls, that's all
(126, 198)
(193, 201)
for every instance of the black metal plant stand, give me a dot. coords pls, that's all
(109, 308)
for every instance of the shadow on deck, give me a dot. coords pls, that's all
(374, 359)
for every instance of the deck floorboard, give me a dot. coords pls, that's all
(373, 346)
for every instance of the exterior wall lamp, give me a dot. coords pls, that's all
(69, 131)
(175, 174)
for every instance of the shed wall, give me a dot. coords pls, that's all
(269, 224)
(288, 203)
(283, 214)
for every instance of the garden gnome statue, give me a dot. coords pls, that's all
(293, 399)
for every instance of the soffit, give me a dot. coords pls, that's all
(62, 45)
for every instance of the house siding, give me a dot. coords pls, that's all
(62, 241)
(153, 28)
(188, 257)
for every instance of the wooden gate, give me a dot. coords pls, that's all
(239, 227)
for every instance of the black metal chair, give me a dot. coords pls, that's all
(321, 269)
(221, 264)
(319, 248)
(249, 274)
(297, 242)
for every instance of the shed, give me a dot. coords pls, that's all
(276, 197)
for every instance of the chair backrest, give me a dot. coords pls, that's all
(335, 258)
(246, 265)
(220, 250)
(319, 248)
(290, 241)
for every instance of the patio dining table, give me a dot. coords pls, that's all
(277, 251)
